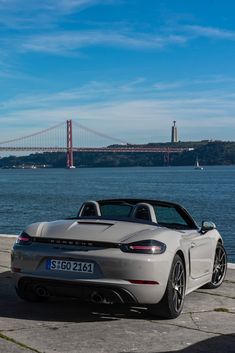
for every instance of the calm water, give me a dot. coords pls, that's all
(47, 194)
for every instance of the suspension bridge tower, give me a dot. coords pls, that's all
(70, 145)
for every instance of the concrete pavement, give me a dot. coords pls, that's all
(207, 323)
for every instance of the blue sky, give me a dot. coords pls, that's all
(127, 68)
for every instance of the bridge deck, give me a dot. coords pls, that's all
(101, 149)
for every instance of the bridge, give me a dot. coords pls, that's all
(61, 137)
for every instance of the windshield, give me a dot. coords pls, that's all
(158, 212)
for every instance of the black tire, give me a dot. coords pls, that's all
(172, 302)
(219, 268)
(27, 293)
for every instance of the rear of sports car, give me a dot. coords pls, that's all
(112, 262)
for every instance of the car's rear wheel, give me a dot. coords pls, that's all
(219, 268)
(172, 302)
(29, 293)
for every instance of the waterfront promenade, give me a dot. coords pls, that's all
(66, 326)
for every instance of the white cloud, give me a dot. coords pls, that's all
(69, 41)
(135, 117)
(52, 5)
(211, 32)
(128, 87)
(166, 86)
(25, 14)
(193, 83)
(66, 5)
(133, 121)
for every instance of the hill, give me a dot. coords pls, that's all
(208, 153)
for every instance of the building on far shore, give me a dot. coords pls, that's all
(174, 133)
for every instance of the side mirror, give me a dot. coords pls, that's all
(206, 226)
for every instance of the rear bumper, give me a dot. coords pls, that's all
(111, 291)
(83, 291)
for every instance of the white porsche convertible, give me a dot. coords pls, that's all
(120, 251)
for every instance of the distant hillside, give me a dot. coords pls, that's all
(212, 153)
(208, 153)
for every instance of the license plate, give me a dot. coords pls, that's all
(71, 266)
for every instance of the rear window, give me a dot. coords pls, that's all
(114, 210)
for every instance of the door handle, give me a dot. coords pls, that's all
(193, 245)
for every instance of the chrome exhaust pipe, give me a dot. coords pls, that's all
(96, 298)
(41, 291)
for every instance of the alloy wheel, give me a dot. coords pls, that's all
(219, 268)
(178, 285)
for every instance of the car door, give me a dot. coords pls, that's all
(198, 246)
(200, 254)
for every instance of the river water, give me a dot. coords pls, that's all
(30, 195)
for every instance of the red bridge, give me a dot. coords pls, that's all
(53, 140)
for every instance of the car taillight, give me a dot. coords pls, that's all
(144, 247)
(24, 239)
